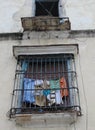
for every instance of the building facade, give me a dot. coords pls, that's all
(47, 65)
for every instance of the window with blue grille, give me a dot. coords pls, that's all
(45, 84)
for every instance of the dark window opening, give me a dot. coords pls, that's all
(46, 8)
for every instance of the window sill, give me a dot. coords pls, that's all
(47, 119)
(43, 23)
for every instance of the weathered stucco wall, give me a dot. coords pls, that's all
(80, 12)
(85, 64)
(11, 11)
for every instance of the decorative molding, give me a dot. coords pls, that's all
(48, 49)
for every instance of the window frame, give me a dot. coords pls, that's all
(13, 111)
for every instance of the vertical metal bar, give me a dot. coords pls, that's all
(73, 82)
(19, 83)
(76, 83)
(62, 66)
(58, 58)
(45, 74)
(33, 74)
(41, 67)
(62, 72)
(15, 96)
(64, 76)
(36, 68)
(45, 67)
(70, 82)
(29, 77)
(50, 68)
(32, 68)
(23, 69)
(54, 74)
(16, 87)
(41, 79)
(50, 72)
(58, 67)
(55, 78)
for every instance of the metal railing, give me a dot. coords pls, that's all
(45, 84)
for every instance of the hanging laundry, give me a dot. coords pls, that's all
(63, 86)
(38, 87)
(55, 96)
(38, 82)
(46, 87)
(51, 97)
(29, 92)
(54, 84)
(58, 97)
(40, 99)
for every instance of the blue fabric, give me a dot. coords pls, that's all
(46, 92)
(29, 94)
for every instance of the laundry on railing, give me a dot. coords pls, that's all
(29, 95)
(44, 92)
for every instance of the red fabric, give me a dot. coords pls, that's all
(63, 84)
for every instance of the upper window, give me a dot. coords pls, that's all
(46, 7)
(47, 15)
(45, 83)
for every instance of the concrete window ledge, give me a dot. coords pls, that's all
(47, 119)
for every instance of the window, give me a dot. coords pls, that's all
(46, 7)
(45, 84)
(47, 15)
